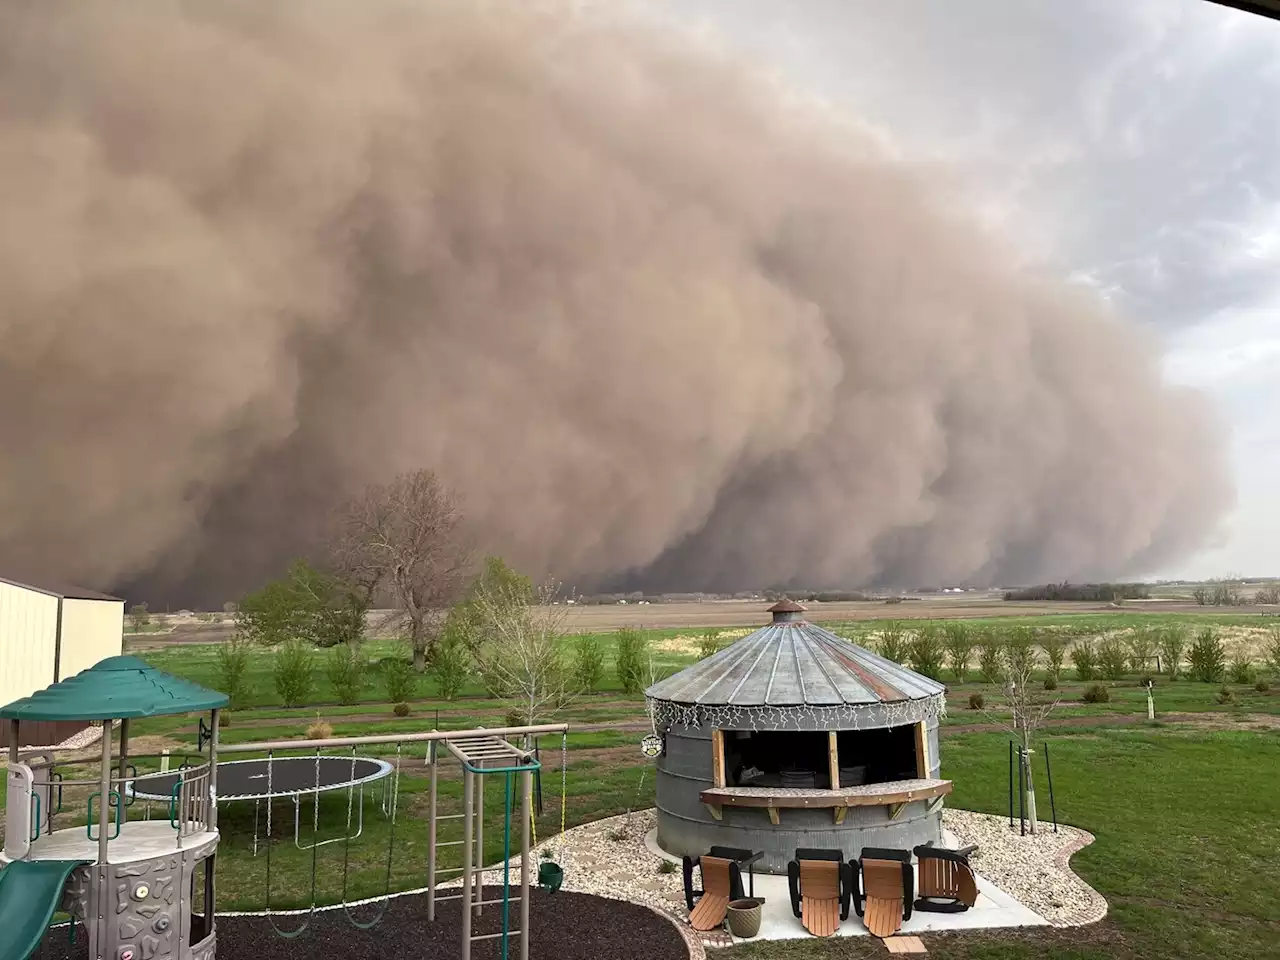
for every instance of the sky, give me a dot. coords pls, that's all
(1132, 147)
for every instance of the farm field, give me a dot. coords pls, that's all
(1181, 884)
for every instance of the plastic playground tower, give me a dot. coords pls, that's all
(130, 883)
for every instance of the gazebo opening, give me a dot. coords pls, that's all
(809, 759)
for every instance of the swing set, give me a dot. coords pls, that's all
(482, 755)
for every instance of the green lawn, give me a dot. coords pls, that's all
(1185, 815)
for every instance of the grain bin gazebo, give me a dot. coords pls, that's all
(794, 737)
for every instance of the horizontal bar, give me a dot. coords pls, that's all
(451, 816)
(494, 936)
(485, 903)
(448, 843)
(424, 737)
(450, 870)
(452, 896)
(532, 766)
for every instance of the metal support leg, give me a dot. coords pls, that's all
(467, 788)
(431, 836)
(526, 787)
(479, 796)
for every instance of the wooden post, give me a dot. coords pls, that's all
(717, 757)
(833, 759)
(922, 751)
(1151, 703)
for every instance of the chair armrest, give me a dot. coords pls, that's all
(846, 889)
(689, 892)
(855, 885)
(908, 890)
(793, 884)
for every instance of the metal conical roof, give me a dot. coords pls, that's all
(114, 689)
(794, 664)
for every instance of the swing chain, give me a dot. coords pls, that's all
(288, 934)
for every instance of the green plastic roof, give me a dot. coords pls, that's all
(115, 689)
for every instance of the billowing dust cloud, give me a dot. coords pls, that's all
(656, 319)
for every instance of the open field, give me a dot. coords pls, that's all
(601, 618)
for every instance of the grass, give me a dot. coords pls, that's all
(1186, 829)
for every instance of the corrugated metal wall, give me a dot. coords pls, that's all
(28, 632)
(92, 630)
(686, 826)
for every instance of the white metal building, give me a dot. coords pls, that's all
(49, 632)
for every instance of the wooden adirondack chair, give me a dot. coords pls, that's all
(947, 883)
(820, 886)
(721, 882)
(883, 889)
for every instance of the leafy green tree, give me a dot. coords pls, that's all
(305, 604)
(139, 617)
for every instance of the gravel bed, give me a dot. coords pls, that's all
(608, 858)
(1032, 869)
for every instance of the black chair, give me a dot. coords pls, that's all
(796, 885)
(877, 885)
(741, 858)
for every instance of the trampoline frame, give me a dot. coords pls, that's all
(384, 770)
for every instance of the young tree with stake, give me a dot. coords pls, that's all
(1028, 707)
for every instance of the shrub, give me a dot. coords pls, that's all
(977, 701)
(1173, 644)
(1097, 693)
(990, 652)
(959, 645)
(1207, 659)
(450, 665)
(1054, 646)
(666, 866)
(632, 645)
(1020, 651)
(1273, 651)
(1084, 657)
(1268, 595)
(709, 643)
(893, 642)
(1225, 695)
(231, 667)
(293, 672)
(399, 679)
(346, 670)
(224, 718)
(1262, 686)
(1242, 666)
(400, 709)
(1113, 659)
(1142, 648)
(588, 663)
(514, 718)
(1223, 595)
(319, 729)
(1051, 682)
(926, 652)
(546, 853)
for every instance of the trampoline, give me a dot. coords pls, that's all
(282, 777)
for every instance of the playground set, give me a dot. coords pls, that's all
(143, 888)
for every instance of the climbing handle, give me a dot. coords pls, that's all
(35, 797)
(113, 800)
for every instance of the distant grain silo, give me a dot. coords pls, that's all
(794, 737)
(49, 632)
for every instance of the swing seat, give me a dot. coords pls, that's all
(550, 876)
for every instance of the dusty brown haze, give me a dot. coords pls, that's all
(651, 316)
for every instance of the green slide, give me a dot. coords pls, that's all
(30, 890)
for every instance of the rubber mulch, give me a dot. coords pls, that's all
(565, 926)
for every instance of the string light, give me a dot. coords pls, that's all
(843, 716)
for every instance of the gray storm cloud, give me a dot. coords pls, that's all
(654, 317)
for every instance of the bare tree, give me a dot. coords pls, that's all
(1028, 708)
(403, 541)
(518, 648)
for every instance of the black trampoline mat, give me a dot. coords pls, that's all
(247, 779)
